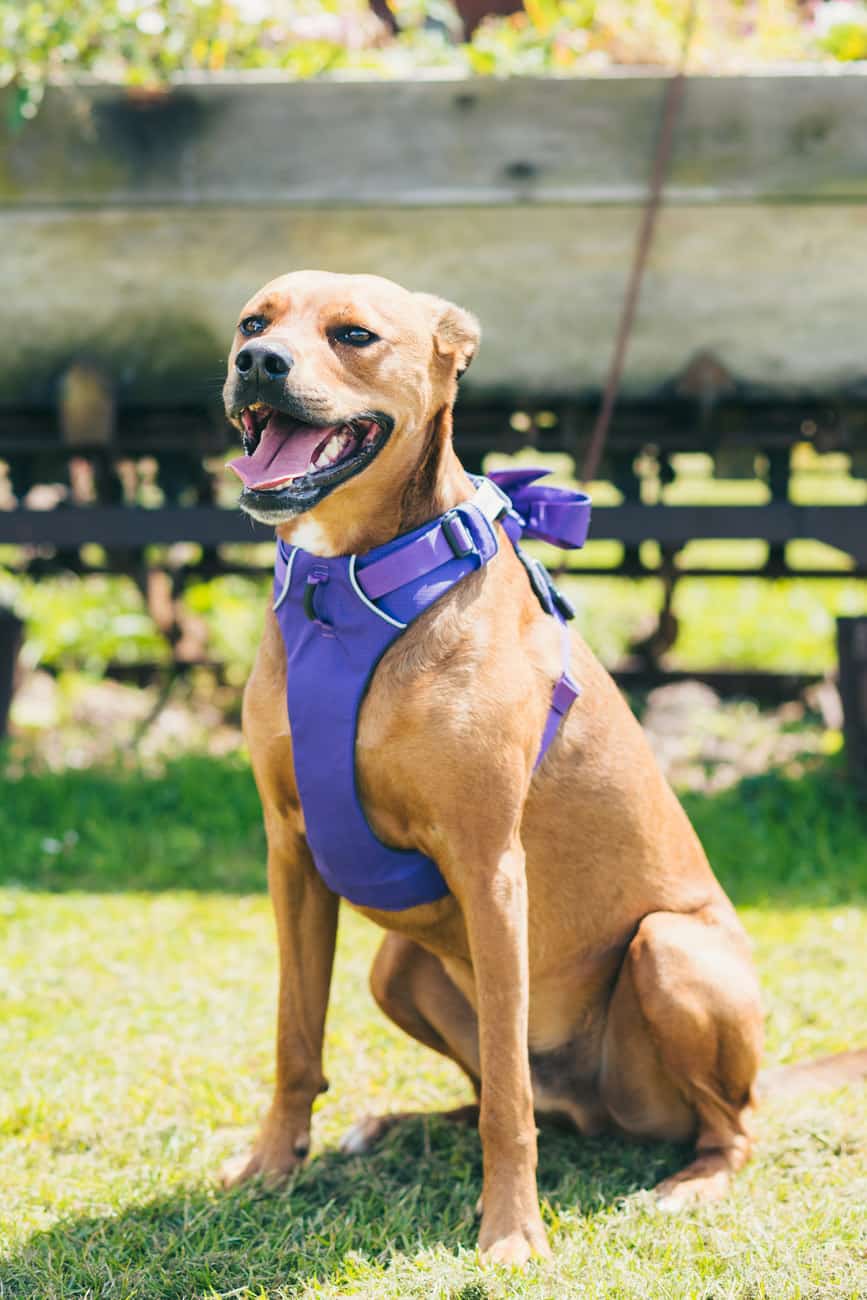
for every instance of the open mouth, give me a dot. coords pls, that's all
(296, 463)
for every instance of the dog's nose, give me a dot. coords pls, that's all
(263, 361)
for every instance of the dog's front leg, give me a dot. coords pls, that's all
(306, 915)
(494, 900)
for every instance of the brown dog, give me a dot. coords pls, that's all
(585, 961)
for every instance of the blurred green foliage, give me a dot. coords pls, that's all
(847, 41)
(782, 625)
(83, 622)
(785, 625)
(142, 43)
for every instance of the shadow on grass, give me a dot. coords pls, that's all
(197, 825)
(417, 1191)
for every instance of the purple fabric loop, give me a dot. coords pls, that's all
(317, 577)
(338, 616)
(565, 693)
(560, 516)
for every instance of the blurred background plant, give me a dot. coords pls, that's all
(90, 642)
(785, 625)
(142, 43)
(841, 29)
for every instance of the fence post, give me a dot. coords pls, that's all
(10, 643)
(852, 654)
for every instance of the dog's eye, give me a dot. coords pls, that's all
(355, 335)
(252, 325)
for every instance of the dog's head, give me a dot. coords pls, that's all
(334, 381)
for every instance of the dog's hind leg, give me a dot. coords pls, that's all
(413, 989)
(682, 1046)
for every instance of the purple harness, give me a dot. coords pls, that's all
(338, 617)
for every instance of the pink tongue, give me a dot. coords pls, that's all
(285, 452)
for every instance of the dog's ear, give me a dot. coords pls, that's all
(456, 331)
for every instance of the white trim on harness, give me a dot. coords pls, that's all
(395, 622)
(279, 601)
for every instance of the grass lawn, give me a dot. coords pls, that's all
(138, 981)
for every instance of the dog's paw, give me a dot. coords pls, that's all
(516, 1247)
(271, 1163)
(672, 1197)
(365, 1133)
(236, 1170)
(686, 1189)
(245, 1168)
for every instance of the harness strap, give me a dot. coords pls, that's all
(565, 693)
(524, 508)
(448, 538)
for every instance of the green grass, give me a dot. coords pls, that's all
(138, 981)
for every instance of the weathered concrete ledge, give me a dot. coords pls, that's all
(790, 136)
(133, 227)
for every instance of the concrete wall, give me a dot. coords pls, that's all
(133, 228)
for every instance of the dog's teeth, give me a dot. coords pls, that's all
(331, 451)
(248, 438)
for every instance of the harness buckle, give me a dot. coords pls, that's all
(457, 535)
(492, 500)
(563, 603)
(539, 580)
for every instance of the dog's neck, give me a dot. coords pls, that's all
(437, 483)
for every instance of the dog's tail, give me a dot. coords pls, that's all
(814, 1076)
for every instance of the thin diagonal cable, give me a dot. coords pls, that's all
(661, 159)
